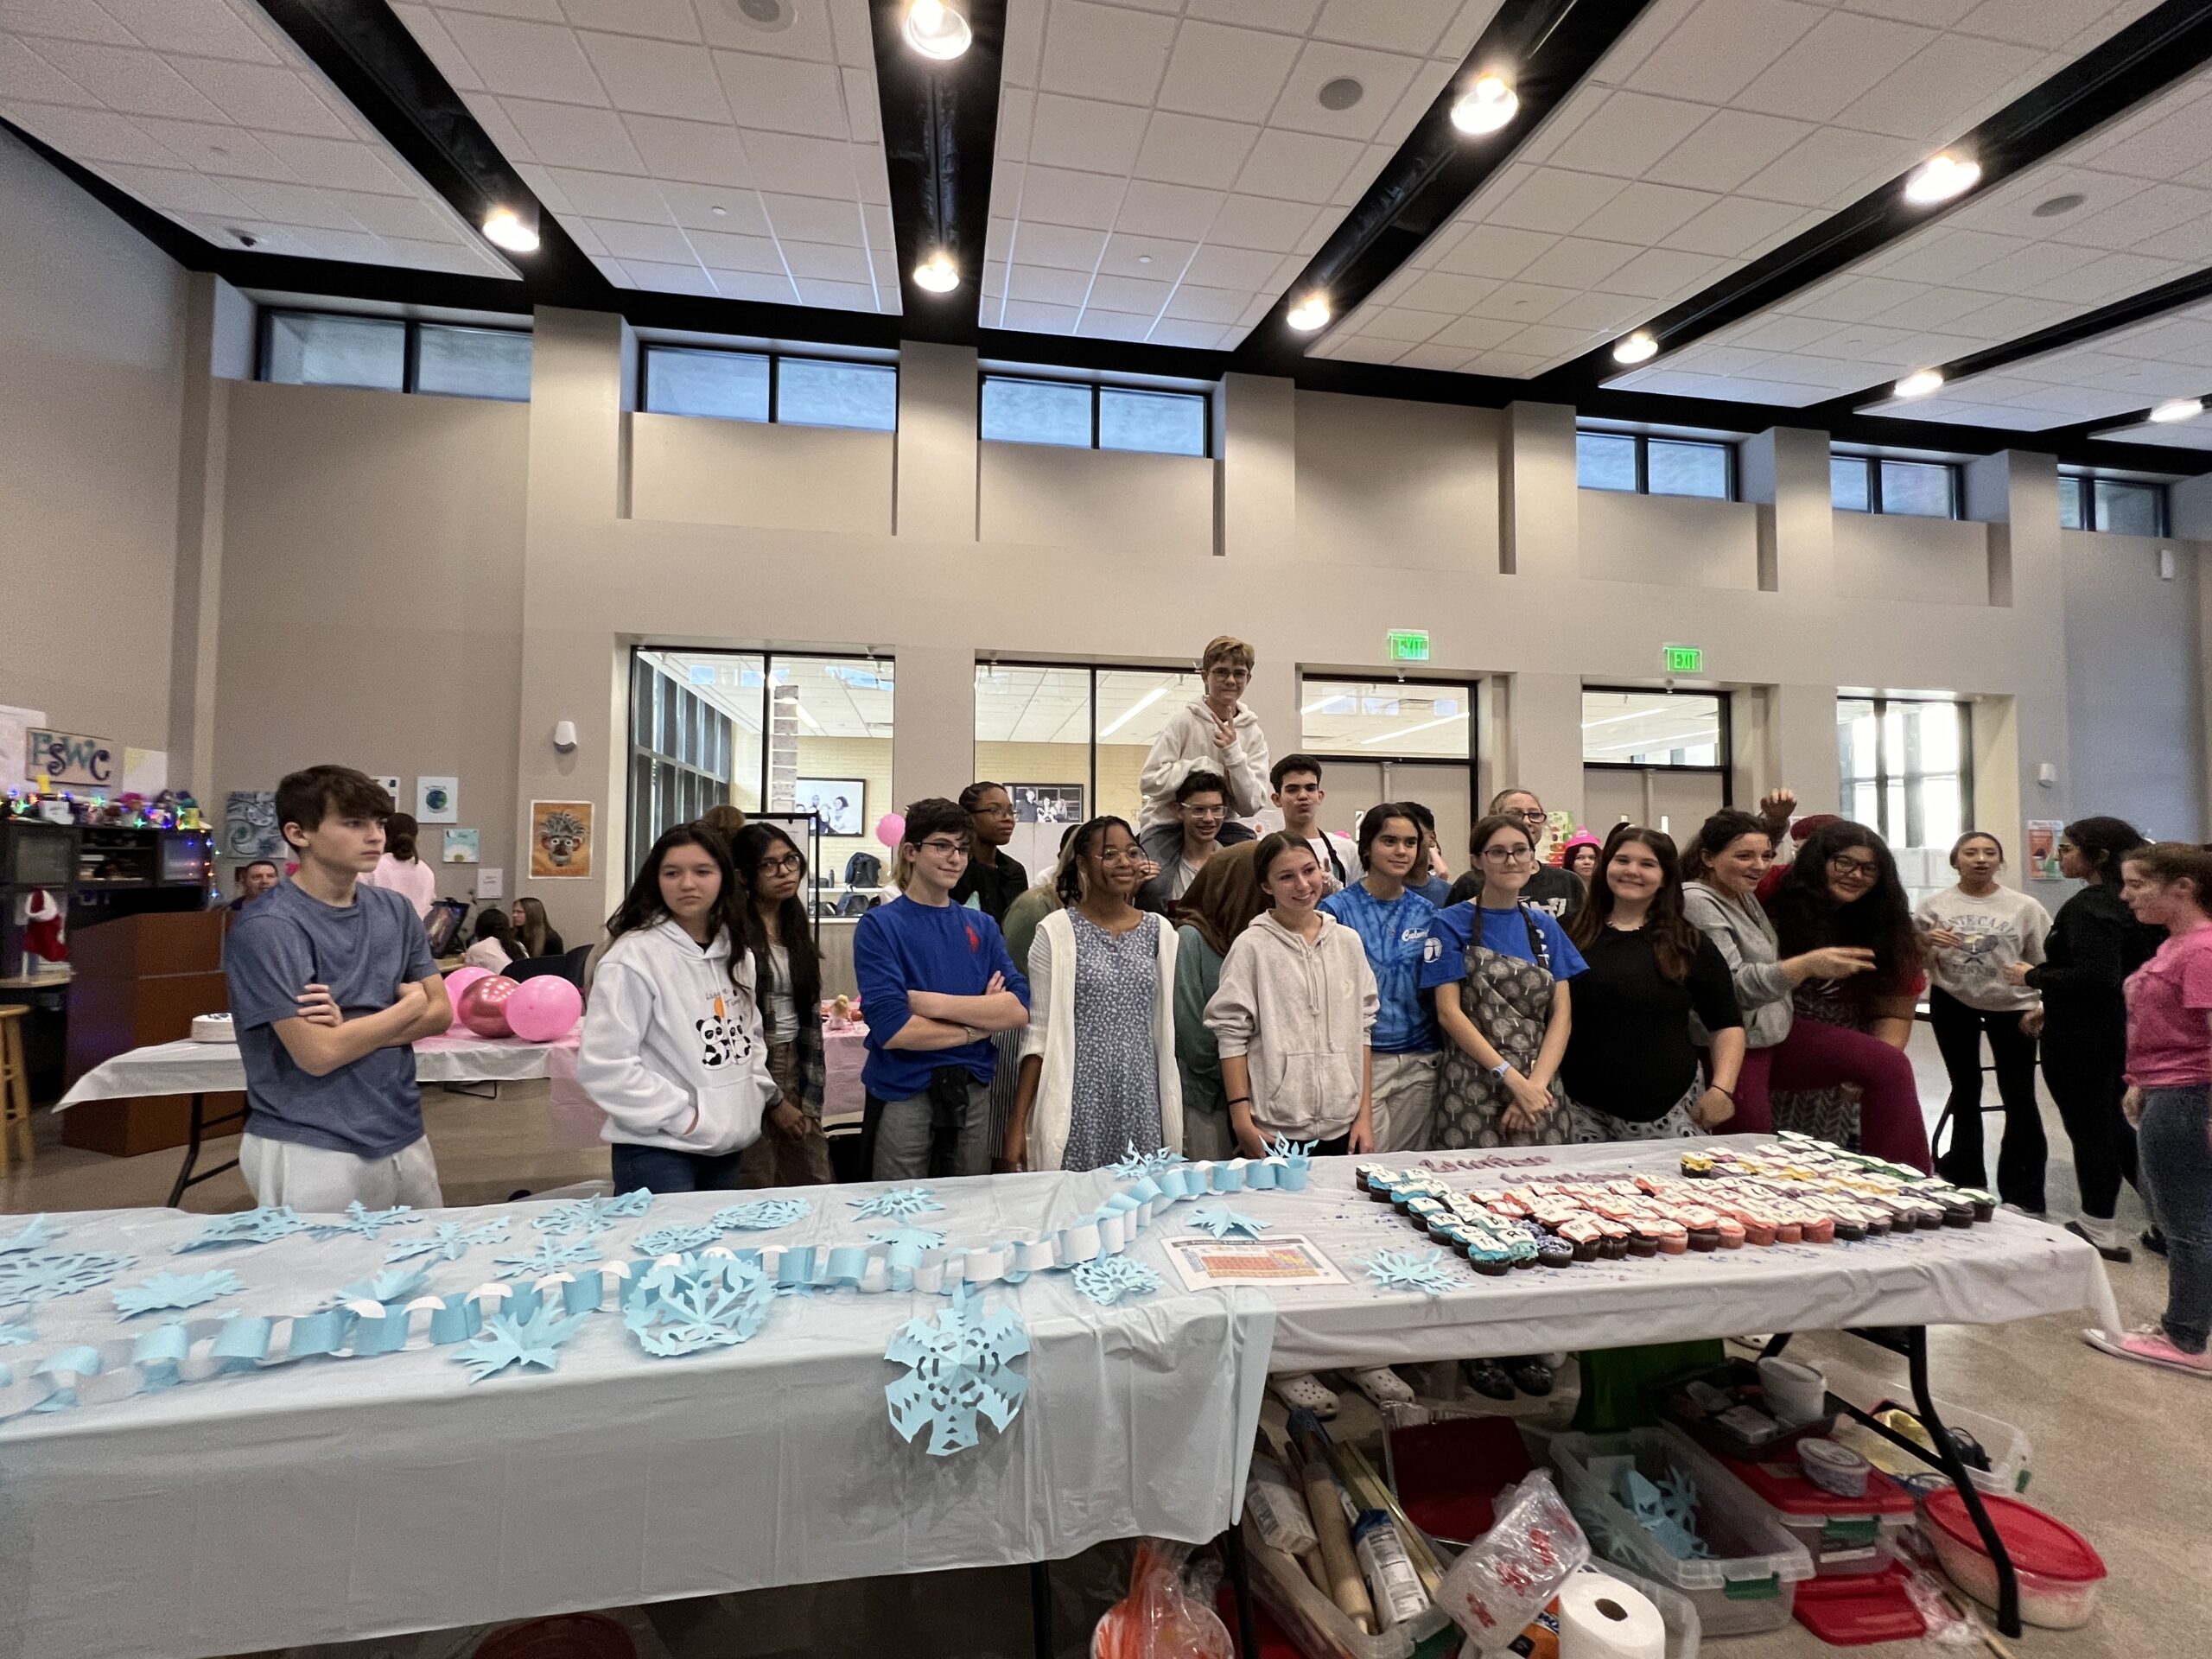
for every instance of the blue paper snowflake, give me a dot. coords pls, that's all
(1227, 1224)
(1110, 1279)
(922, 1238)
(762, 1215)
(897, 1204)
(174, 1290)
(1134, 1165)
(594, 1215)
(959, 1367)
(16, 1336)
(43, 1278)
(450, 1242)
(548, 1256)
(393, 1285)
(1410, 1270)
(676, 1240)
(1284, 1147)
(366, 1222)
(532, 1343)
(698, 1301)
(34, 1235)
(247, 1227)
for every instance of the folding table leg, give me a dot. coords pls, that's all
(1040, 1608)
(2008, 1582)
(191, 1149)
(1240, 1582)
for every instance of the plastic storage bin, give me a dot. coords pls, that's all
(2009, 1452)
(1847, 1537)
(1749, 1585)
(2058, 1572)
(1320, 1627)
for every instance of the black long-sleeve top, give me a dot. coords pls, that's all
(2094, 944)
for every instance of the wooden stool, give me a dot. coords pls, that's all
(15, 1089)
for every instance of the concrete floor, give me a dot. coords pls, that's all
(2122, 1452)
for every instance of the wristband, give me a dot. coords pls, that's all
(1718, 1089)
(1240, 1100)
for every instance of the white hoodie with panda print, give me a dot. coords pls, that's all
(673, 1050)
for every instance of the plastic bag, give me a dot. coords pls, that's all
(1161, 1618)
(1512, 1573)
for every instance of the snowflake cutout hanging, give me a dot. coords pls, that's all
(548, 1256)
(366, 1222)
(762, 1215)
(676, 1240)
(34, 1235)
(959, 1367)
(698, 1301)
(16, 1336)
(1227, 1224)
(899, 1203)
(392, 1285)
(1110, 1279)
(43, 1278)
(450, 1242)
(1284, 1147)
(247, 1227)
(1410, 1270)
(174, 1290)
(1134, 1165)
(922, 1238)
(594, 1215)
(532, 1343)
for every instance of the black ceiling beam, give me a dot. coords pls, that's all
(2161, 47)
(1545, 48)
(940, 134)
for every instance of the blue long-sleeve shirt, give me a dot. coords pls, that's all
(948, 949)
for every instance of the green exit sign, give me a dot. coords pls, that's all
(1685, 659)
(1408, 645)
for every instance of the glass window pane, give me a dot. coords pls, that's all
(1847, 484)
(1167, 423)
(1036, 411)
(2127, 508)
(306, 349)
(832, 715)
(1858, 759)
(2071, 501)
(733, 687)
(1603, 461)
(728, 385)
(473, 362)
(1922, 489)
(1386, 720)
(1688, 469)
(1652, 728)
(1134, 705)
(1033, 733)
(813, 392)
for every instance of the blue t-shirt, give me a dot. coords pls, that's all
(903, 946)
(1437, 891)
(365, 951)
(1502, 931)
(1396, 936)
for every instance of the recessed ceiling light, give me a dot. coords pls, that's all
(1941, 179)
(1341, 93)
(1144, 258)
(1488, 106)
(1639, 348)
(935, 29)
(937, 274)
(2178, 409)
(762, 14)
(1919, 383)
(508, 229)
(2057, 205)
(1309, 314)
(718, 210)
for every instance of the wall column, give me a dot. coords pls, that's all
(2018, 492)
(1256, 487)
(936, 469)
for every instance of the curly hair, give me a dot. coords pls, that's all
(1806, 917)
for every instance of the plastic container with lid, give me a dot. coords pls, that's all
(1749, 1584)
(1844, 1536)
(2058, 1572)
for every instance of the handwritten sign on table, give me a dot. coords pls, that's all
(68, 759)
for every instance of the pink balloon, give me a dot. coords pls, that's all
(891, 829)
(460, 980)
(544, 1010)
(484, 1006)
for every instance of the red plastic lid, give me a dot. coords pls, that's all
(1852, 1612)
(2036, 1542)
(1781, 1481)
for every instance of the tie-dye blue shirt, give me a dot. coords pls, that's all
(1394, 935)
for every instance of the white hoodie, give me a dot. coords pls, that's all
(1185, 744)
(672, 1051)
(1301, 1013)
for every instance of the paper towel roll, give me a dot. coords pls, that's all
(1600, 1618)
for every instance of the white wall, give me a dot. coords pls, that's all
(2133, 658)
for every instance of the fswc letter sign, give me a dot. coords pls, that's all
(67, 759)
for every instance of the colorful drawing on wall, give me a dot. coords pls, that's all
(2042, 848)
(69, 760)
(462, 847)
(560, 839)
(1046, 802)
(249, 827)
(390, 787)
(437, 800)
(841, 802)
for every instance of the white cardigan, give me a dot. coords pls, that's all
(1050, 1035)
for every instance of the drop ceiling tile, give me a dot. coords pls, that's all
(1496, 251)
(338, 163)
(1220, 306)
(816, 261)
(1721, 47)
(666, 278)
(128, 81)
(1190, 149)
(1235, 73)
(1577, 261)
(2142, 214)
(1036, 318)
(693, 206)
(1114, 325)
(1415, 27)
(1383, 78)
(666, 20)
(1241, 268)
(837, 297)
(1723, 153)
(1644, 214)
(26, 78)
(608, 195)
(778, 95)
(1084, 132)
(1476, 334)
(174, 191)
(562, 134)
(1396, 323)
(400, 216)
(806, 167)
(1145, 256)
(1841, 58)
(95, 135)
(523, 60)
(1444, 290)
(814, 219)
(1261, 222)
(2110, 278)
(1064, 247)
(1065, 196)
(764, 287)
(1168, 210)
(1440, 357)
(1551, 199)
(1193, 336)
(1627, 132)
(1913, 101)
(1297, 166)
(1658, 273)
(654, 77)
(2190, 243)
(1600, 313)
(1855, 299)
(67, 20)
(1107, 52)
(1737, 227)
(1131, 294)
(1523, 302)
(624, 240)
(1832, 167)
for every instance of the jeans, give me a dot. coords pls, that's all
(908, 1148)
(2020, 1159)
(1816, 1055)
(2177, 1150)
(2082, 1064)
(663, 1169)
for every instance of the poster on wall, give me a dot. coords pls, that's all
(2042, 848)
(437, 800)
(390, 787)
(14, 753)
(462, 847)
(70, 759)
(560, 839)
(841, 802)
(1046, 802)
(249, 827)
(491, 884)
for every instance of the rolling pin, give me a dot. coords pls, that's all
(1331, 1531)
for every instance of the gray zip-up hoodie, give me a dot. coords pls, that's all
(1301, 1013)
(1738, 927)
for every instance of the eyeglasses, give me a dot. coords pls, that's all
(1510, 855)
(790, 863)
(1115, 855)
(945, 848)
(1853, 869)
(1004, 809)
(1529, 814)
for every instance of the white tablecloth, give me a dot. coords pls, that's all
(190, 1068)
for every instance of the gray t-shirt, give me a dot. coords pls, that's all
(365, 952)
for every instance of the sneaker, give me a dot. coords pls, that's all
(1383, 1386)
(1304, 1392)
(1532, 1376)
(2154, 1240)
(2150, 1345)
(1487, 1378)
(2110, 1252)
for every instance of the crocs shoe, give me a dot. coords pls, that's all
(1302, 1391)
(1383, 1386)
(1531, 1377)
(1487, 1378)
(2149, 1345)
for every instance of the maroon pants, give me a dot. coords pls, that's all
(1816, 1055)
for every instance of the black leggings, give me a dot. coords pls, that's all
(1959, 1030)
(2082, 1066)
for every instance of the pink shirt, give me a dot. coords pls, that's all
(2169, 1036)
(411, 878)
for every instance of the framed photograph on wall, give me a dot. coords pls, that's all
(1046, 802)
(840, 802)
(437, 800)
(560, 839)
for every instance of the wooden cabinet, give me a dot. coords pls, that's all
(139, 980)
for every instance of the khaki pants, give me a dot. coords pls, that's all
(774, 1161)
(1404, 1101)
(317, 1181)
